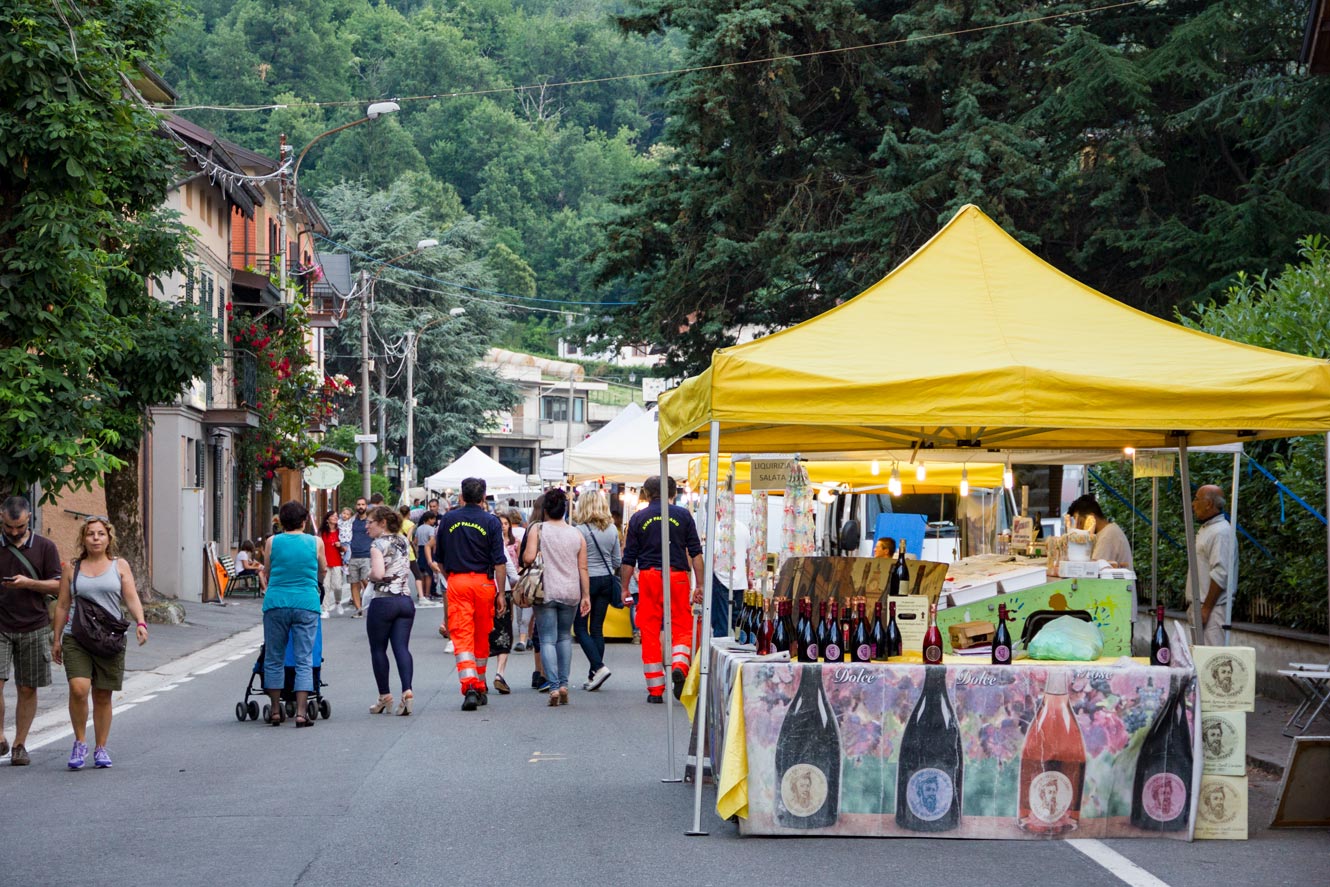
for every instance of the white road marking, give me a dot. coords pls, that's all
(1117, 864)
(53, 726)
(146, 698)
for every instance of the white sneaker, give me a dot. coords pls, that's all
(323, 614)
(602, 674)
(448, 647)
(340, 609)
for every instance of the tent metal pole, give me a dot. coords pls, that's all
(1195, 596)
(1233, 567)
(704, 648)
(1327, 511)
(1154, 542)
(664, 501)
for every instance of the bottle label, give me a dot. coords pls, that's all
(1050, 796)
(864, 653)
(928, 794)
(1163, 797)
(812, 651)
(1002, 653)
(933, 653)
(803, 789)
(1163, 654)
(833, 651)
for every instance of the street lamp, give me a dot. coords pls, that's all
(413, 339)
(365, 296)
(373, 112)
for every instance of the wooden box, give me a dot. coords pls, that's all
(971, 634)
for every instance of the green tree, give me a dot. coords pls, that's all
(83, 172)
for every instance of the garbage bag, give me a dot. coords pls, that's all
(1067, 638)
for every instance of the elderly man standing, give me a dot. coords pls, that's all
(29, 571)
(1216, 547)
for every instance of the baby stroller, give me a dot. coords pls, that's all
(315, 705)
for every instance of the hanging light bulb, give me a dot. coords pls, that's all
(894, 485)
(1008, 476)
(875, 468)
(965, 481)
(1129, 451)
(826, 497)
(921, 472)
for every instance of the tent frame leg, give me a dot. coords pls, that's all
(704, 648)
(673, 774)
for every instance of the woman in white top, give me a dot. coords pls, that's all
(392, 610)
(567, 589)
(104, 580)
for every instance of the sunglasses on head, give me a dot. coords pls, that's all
(96, 517)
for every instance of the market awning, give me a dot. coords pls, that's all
(975, 342)
(858, 476)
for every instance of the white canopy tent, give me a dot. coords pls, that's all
(474, 463)
(627, 450)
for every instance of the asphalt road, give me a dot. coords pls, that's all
(517, 792)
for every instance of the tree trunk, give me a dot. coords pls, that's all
(122, 507)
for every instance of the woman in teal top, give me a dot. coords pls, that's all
(294, 564)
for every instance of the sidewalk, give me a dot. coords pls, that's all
(1267, 746)
(204, 625)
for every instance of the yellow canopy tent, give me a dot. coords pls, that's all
(942, 477)
(978, 342)
(974, 342)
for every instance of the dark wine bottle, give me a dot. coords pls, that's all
(932, 639)
(808, 758)
(1160, 801)
(895, 643)
(898, 580)
(1160, 652)
(809, 646)
(878, 636)
(931, 770)
(747, 633)
(833, 650)
(781, 636)
(847, 625)
(789, 627)
(1052, 764)
(1002, 639)
(820, 630)
(861, 639)
(767, 629)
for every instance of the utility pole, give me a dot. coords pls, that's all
(412, 339)
(383, 412)
(364, 384)
(570, 412)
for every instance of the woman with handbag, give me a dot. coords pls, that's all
(391, 608)
(566, 589)
(91, 642)
(603, 560)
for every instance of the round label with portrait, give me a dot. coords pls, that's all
(1050, 796)
(928, 794)
(803, 789)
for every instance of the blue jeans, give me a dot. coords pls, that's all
(389, 619)
(720, 608)
(555, 623)
(300, 626)
(590, 629)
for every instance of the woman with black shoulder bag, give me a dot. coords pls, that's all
(90, 635)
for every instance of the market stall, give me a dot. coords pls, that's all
(1030, 382)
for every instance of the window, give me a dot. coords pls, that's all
(517, 459)
(554, 408)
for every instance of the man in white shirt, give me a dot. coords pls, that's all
(1216, 548)
(729, 583)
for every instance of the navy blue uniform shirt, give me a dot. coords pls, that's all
(469, 540)
(642, 545)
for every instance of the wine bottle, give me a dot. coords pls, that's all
(1160, 652)
(1002, 639)
(1052, 764)
(895, 643)
(833, 650)
(766, 631)
(780, 630)
(789, 627)
(808, 758)
(898, 580)
(878, 636)
(750, 621)
(930, 773)
(932, 639)
(861, 639)
(847, 624)
(809, 637)
(1160, 801)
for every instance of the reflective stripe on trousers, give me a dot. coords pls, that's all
(470, 621)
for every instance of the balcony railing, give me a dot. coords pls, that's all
(235, 381)
(516, 427)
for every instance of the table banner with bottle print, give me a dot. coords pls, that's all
(1101, 750)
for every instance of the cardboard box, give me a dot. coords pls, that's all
(971, 634)
(1224, 743)
(1221, 811)
(1227, 676)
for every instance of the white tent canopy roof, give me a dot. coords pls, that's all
(627, 450)
(474, 463)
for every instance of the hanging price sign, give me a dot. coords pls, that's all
(769, 474)
(1152, 465)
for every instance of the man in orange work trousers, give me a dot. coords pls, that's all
(642, 550)
(469, 546)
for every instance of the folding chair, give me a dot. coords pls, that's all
(1312, 681)
(237, 584)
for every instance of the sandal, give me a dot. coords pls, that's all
(277, 718)
(302, 721)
